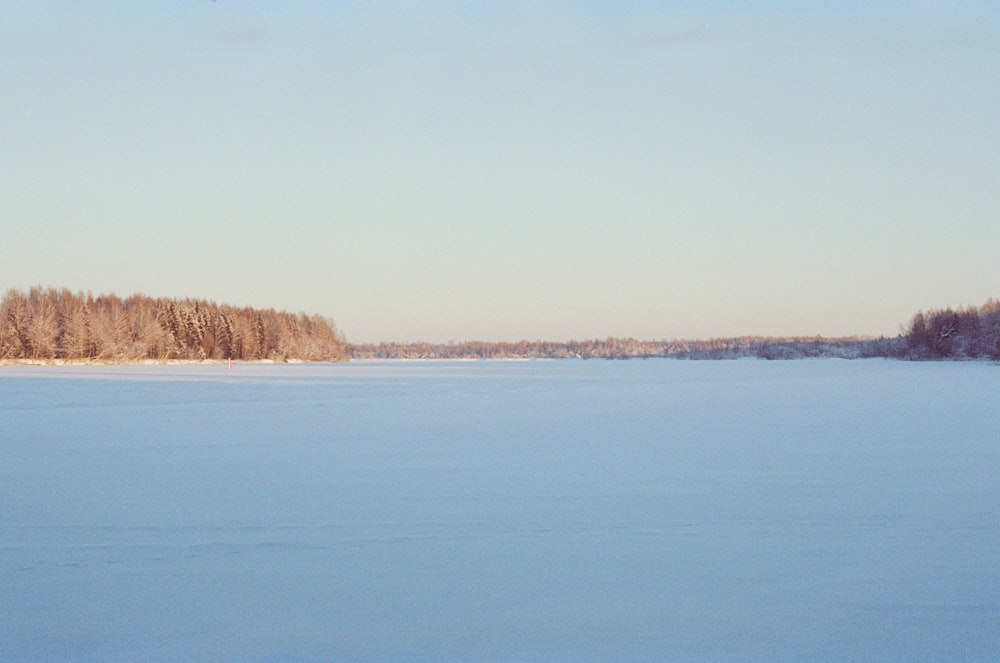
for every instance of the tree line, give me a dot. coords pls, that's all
(50, 324)
(966, 333)
(631, 348)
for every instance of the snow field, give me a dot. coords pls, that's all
(501, 511)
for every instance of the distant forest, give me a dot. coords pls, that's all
(630, 348)
(47, 324)
(968, 333)
(51, 325)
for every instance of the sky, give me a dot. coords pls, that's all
(506, 170)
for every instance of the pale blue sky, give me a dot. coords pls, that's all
(507, 170)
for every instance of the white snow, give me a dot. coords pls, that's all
(501, 511)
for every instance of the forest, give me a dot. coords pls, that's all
(631, 348)
(46, 324)
(50, 325)
(965, 333)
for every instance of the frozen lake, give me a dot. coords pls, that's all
(501, 511)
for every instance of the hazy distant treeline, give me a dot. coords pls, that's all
(630, 348)
(50, 324)
(969, 333)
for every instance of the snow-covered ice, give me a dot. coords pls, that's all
(501, 511)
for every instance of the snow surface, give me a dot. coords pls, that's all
(501, 511)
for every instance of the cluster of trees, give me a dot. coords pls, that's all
(628, 348)
(965, 333)
(50, 324)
